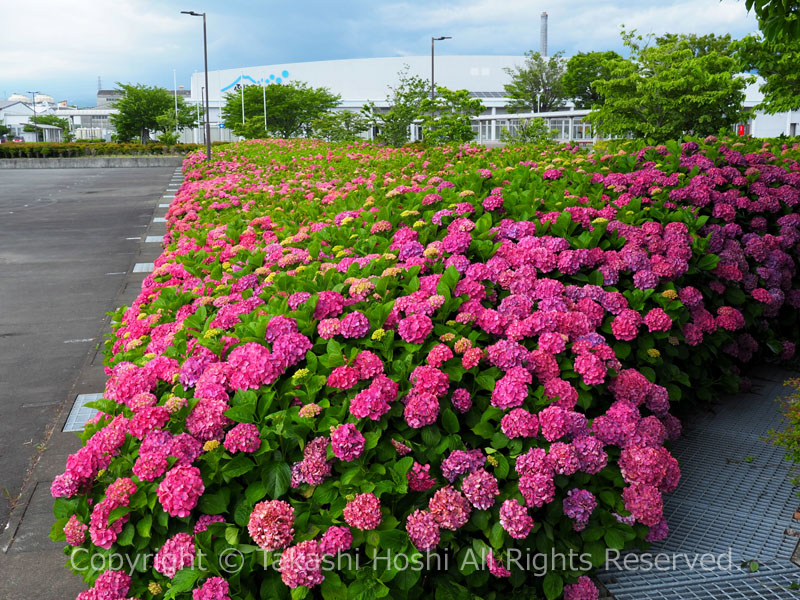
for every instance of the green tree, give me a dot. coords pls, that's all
(55, 121)
(777, 62)
(291, 109)
(404, 108)
(665, 91)
(537, 86)
(140, 108)
(528, 131)
(582, 69)
(448, 117)
(700, 45)
(4, 130)
(779, 20)
(341, 125)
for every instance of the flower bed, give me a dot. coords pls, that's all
(352, 357)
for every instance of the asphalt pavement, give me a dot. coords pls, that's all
(69, 239)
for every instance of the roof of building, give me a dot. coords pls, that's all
(362, 79)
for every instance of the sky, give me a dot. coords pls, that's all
(61, 48)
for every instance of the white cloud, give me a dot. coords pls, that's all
(49, 39)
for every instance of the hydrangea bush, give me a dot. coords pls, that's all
(351, 352)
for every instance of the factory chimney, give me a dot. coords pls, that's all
(543, 35)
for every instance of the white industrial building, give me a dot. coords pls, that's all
(359, 81)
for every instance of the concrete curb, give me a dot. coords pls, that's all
(102, 162)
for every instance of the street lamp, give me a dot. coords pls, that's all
(205, 56)
(33, 103)
(436, 39)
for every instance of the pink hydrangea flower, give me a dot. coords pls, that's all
(213, 588)
(75, 531)
(302, 565)
(177, 553)
(480, 487)
(415, 329)
(363, 512)
(336, 539)
(449, 508)
(583, 590)
(519, 423)
(180, 490)
(347, 442)
(515, 519)
(496, 568)
(422, 409)
(423, 530)
(270, 524)
(354, 325)
(244, 437)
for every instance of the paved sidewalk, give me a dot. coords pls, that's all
(125, 204)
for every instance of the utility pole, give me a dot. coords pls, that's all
(33, 104)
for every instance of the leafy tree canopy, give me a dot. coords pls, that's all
(778, 62)
(779, 20)
(529, 131)
(665, 90)
(291, 109)
(448, 117)
(140, 108)
(404, 102)
(700, 45)
(341, 126)
(537, 86)
(582, 69)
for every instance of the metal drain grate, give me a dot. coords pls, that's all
(81, 413)
(735, 495)
(143, 267)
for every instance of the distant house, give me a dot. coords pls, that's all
(15, 114)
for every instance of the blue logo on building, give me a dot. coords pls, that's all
(242, 80)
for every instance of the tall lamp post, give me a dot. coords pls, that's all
(205, 57)
(436, 39)
(33, 103)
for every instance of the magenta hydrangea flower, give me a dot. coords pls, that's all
(207, 421)
(302, 565)
(579, 505)
(644, 502)
(422, 409)
(415, 329)
(180, 490)
(336, 539)
(515, 519)
(363, 512)
(449, 508)
(328, 328)
(213, 588)
(347, 442)
(460, 462)
(461, 400)
(657, 320)
(354, 325)
(496, 568)
(537, 488)
(419, 478)
(439, 355)
(423, 530)
(369, 364)
(270, 524)
(480, 487)
(344, 377)
(177, 553)
(430, 380)
(75, 531)
(244, 437)
(204, 521)
(584, 589)
(472, 357)
(519, 423)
